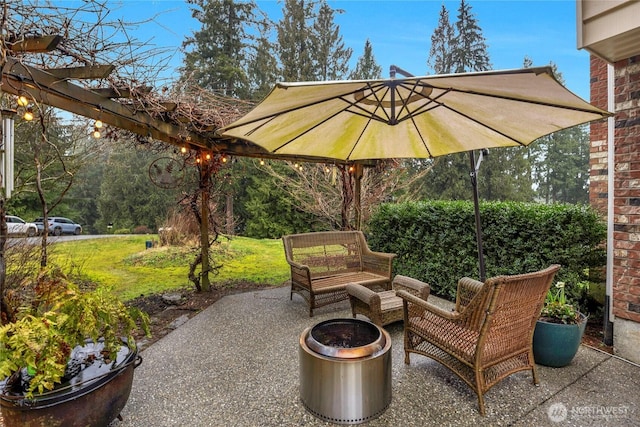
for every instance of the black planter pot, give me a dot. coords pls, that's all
(94, 397)
(556, 344)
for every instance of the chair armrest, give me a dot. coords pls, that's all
(300, 268)
(300, 274)
(390, 256)
(422, 306)
(297, 265)
(411, 285)
(364, 294)
(467, 289)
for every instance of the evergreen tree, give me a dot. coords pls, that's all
(505, 173)
(469, 47)
(562, 175)
(295, 48)
(271, 212)
(84, 194)
(560, 161)
(330, 56)
(127, 198)
(216, 56)
(442, 41)
(263, 68)
(366, 68)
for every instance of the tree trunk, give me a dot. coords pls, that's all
(347, 197)
(45, 208)
(229, 214)
(357, 196)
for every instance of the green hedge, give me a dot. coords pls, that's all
(435, 240)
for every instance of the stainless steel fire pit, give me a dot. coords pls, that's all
(345, 370)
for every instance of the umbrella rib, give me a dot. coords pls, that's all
(378, 103)
(512, 98)
(483, 125)
(426, 107)
(374, 89)
(414, 96)
(353, 147)
(307, 131)
(424, 143)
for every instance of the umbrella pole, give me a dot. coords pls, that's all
(476, 205)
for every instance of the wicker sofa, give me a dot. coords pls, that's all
(322, 264)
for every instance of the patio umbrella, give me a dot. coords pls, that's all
(412, 117)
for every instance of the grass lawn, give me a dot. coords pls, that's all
(124, 264)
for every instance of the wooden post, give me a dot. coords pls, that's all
(205, 176)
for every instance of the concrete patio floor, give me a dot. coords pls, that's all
(236, 364)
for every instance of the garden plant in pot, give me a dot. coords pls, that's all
(67, 358)
(558, 331)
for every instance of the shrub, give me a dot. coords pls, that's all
(436, 242)
(59, 317)
(142, 229)
(179, 229)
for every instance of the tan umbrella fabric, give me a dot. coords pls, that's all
(416, 117)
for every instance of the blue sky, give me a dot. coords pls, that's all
(400, 31)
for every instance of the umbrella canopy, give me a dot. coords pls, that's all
(415, 117)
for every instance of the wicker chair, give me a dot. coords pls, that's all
(384, 307)
(489, 334)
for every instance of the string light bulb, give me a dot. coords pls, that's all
(28, 114)
(98, 124)
(23, 101)
(261, 162)
(208, 156)
(183, 149)
(224, 159)
(96, 132)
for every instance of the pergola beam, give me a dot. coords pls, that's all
(88, 72)
(43, 87)
(108, 92)
(39, 44)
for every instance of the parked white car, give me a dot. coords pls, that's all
(59, 226)
(18, 226)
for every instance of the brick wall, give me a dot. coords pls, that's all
(626, 239)
(598, 151)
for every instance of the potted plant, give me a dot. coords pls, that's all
(68, 356)
(559, 330)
